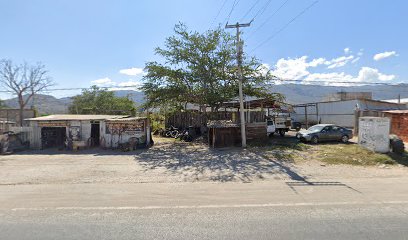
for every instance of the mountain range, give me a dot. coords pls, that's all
(294, 93)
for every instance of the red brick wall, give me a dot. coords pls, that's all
(399, 125)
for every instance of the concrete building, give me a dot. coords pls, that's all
(106, 131)
(341, 113)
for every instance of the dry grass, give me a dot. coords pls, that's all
(353, 154)
(331, 153)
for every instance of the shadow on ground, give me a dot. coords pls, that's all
(197, 162)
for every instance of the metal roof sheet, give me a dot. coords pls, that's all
(73, 117)
(221, 124)
(127, 119)
(396, 111)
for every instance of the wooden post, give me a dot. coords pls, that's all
(307, 123)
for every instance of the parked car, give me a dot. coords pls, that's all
(325, 132)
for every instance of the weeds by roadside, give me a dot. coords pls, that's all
(356, 155)
(290, 149)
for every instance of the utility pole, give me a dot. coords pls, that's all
(239, 61)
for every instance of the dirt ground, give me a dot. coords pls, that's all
(174, 161)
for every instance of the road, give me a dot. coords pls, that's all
(385, 221)
(364, 208)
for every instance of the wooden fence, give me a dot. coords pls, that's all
(197, 119)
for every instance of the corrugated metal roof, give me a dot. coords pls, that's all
(128, 119)
(74, 117)
(396, 111)
(221, 124)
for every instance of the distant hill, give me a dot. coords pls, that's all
(294, 93)
(45, 104)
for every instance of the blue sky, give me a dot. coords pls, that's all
(87, 42)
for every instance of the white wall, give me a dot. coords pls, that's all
(340, 113)
(112, 140)
(374, 133)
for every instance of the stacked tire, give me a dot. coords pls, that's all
(396, 144)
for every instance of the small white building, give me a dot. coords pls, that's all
(374, 133)
(106, 131)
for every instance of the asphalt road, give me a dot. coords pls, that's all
(366, 208)
(325, 221)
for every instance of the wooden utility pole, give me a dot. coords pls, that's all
(239, 63)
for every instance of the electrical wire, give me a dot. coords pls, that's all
(285, 26)
(262, 10)
(232, 9)
(250, 9)
(269, 18)
(219, 11)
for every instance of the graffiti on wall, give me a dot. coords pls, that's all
(75, 133)
(131, 128)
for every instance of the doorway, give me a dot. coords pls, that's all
(95, 134)
(53, 137)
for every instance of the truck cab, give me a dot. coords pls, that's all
(279, 125)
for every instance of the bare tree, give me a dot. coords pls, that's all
(24, 80)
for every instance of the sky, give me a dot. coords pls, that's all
(87, 42)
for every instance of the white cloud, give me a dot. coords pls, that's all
(291, 68)
(339, 62)
(367, 74)
(316, 62)
(347, 51)
(130, 83)
(104, 82)
(297, 68)
(132, 71)
(360, 53)
(301, 68)
(355, 60)
(383, 55)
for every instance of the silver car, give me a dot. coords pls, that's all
(325, 132)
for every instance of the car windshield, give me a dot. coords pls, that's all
(316, 128)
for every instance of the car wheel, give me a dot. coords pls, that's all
(271, 134)
(315, 140)
(344, 139)
(282, 133)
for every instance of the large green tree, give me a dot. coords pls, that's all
(101, 101)
(200, 68)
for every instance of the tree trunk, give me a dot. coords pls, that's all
(21, 110)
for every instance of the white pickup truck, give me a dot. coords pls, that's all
(279, 125)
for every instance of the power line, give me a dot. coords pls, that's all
(232, 9)
(250, 9)
(72, 89)
(219, 11)
(285, 26)
(334, 82)
(275, 80)
(269, 18)
(262, 10)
